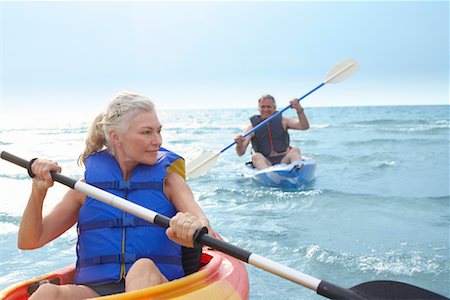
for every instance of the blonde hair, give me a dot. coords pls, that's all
(124, 107)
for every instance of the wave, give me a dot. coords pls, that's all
(212, 127)
(373, 158)
(378, 160)
(344, 195)
(319, 126)
(400, 126)
(250, 195)
(370, 142)
(386, 164)
(81, 130)
(443, 122)
(305, 142)
(416, 129)
(440, 198)
(15, 176)
(326, 158)
(49, 130)
(9, 219)
(389, 141)
(208, 126)
(382, 264)
(442, 221)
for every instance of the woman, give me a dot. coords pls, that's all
(116, 251)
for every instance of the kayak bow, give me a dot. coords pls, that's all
(294, 175)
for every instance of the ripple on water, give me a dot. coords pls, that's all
(381, 264)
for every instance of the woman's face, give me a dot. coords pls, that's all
(141, 142)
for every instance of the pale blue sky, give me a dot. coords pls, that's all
(73, 56)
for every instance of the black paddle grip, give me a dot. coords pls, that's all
(14, 159)
(225, 247)
(162, 221)
(27, 165)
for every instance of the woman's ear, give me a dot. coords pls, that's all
(114, 137)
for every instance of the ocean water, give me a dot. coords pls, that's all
(379, 208)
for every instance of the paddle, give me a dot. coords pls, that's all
(207, 160)
(367, 290)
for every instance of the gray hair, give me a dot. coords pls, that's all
(266, 96)
(124, 107)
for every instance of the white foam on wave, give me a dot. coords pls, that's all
(390, 163)
(319, 126)
(392, 262)
(42, 120)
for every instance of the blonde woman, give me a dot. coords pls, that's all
(117, 251)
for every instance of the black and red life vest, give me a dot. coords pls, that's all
(270, 137)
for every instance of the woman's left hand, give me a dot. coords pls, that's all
(182, 229)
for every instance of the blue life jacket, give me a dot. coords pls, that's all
(272, 136)
(111, 240)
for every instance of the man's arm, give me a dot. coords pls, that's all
(299, 124)
(241, 142)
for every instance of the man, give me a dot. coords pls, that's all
(271, 142)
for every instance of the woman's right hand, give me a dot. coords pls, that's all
(41, 168)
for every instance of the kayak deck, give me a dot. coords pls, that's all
(294, 175)
(220, 277)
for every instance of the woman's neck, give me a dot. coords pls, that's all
(126, 165)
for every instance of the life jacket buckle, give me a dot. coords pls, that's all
(125, 222)
(119, 222)
(122, 185)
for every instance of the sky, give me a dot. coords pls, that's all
(60, 56)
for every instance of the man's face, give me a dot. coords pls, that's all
(266, 108)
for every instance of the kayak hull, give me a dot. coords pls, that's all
(220, 277)
(295, 175)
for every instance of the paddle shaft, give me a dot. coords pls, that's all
(272, 117)
(321, 287)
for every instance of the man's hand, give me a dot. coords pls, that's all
(295, 104)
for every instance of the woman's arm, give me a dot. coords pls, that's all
(36, 230)
(190, 216)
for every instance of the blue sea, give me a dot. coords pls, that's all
(379, 208)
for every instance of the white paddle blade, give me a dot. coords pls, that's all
(342, 71)
(201, 164)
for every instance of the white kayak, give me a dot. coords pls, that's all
(294, 175)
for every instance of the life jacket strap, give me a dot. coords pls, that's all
(127, 258)
(191, 258)
(269, 132)
(129, 185)
(116, 223)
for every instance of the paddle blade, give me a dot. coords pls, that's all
(201, 164)
(384, 289)
(342, 71)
